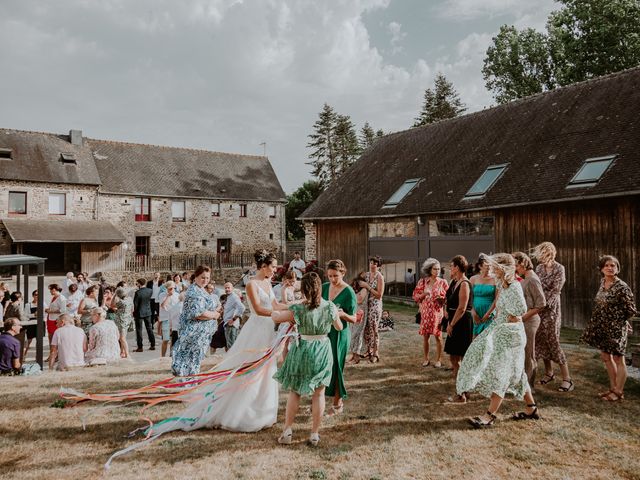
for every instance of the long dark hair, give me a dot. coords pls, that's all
(311, 288)
(355, 282)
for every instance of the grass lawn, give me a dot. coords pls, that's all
(395, 425)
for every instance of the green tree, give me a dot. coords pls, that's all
(583, 39)
(367, 136)
(297, 203)
(346, 141)
(440, 103)
(324, 155)
(518, 64)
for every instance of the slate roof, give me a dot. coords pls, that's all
(138, 169)
(23, 230)
(168, 171)
(36, 158)
(544, 139)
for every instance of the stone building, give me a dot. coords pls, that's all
(88, 204)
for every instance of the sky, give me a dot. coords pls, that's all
(230, 75)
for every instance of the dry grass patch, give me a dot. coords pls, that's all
(395, 425)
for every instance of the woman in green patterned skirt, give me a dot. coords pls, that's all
(342, 295)
(307, 368)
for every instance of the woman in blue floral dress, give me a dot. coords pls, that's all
(494, 363)
(197, 325)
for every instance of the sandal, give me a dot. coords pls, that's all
(437, 365)
(286, 437)
(426, 363)
(457, 399)
(335, 410)
(478, 422)
(355, 360)
(605, 394)
(527, 416)
(566, 389)
(614, 397)
(374, 358)
(314, 439)
(547, 378)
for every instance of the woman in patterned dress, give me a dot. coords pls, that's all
(609, 325)
(494, 363)
(430, 295)
(552, 278)
(374, 284)
(87, 304)
(103, 340)
(357, 346)
(123, 306)
(197, 325)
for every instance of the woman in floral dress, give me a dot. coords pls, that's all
(374, 284)
(609, 325)
(430, 295)
(123, 306)
(197, 325)
(552, 278)
(103, 340)
(357, 346)
(494, 363)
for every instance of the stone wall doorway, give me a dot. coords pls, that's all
(223, 248)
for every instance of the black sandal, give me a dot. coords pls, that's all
(547, 378)
(567, 389)
(527, 416)
(478, 422)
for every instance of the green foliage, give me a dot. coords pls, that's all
(60, 403)
(297, 203)
(584, 39)
(440, 103)
(367, 137)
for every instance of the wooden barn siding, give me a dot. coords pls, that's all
(581, 232)
(102, 257)
(345, 240)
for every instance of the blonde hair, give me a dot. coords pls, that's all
(505, 263)
(99, 311)
(544, 252)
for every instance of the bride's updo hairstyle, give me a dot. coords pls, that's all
(262, 258)
(337, 265)
(504, 262)
(311, 288)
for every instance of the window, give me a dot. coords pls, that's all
(243, 209)
(177, 244)
(142, 245)
(18, 203)
(400, 194)
(461, 227)
(178, 211)
(486, 181)
(68, 158)
(57, 203)
(272, 211)
(591, 171)
(205, 243)
(5, 153)
(142, 209)
(271, 236)
(215, 209)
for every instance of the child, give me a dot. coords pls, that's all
(307, 368)
(386, 322)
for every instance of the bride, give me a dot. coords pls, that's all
(243, 403)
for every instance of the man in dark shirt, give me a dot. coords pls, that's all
(142, 313)
(10, 347)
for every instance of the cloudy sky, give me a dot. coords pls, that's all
(227, 75)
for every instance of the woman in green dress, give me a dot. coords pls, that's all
(307, 368)
(484, 297)
(342, 295)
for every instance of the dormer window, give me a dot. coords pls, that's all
(5, 153)
(591, 171)
(68, 158)
(405, 189)
(487, 180)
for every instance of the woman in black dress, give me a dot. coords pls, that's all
(458, 315)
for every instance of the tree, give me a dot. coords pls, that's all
(367, 137)
(584, 39)
(324, 158)
(440, 103)
(346, 141)
(518, 64)
(297, 203)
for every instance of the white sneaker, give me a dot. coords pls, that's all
(314, 439)
(286, 437)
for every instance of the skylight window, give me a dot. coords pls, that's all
(400, 194)
(5, 153)
(68, 158)
(486, 181)
(591, 171)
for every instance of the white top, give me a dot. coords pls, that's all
(168, 311)
(59, 307)
(155, 290)
(70, 342)
(65, 286)
(73, 301)
(297, 266)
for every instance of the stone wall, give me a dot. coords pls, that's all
(201, 230)
(310, 241)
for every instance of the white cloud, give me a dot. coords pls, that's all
(397, 36)
(465, 10)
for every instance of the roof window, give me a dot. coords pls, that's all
(5, 153)
(68, 158)
(486, 181)
(400, 194)
(591, 171)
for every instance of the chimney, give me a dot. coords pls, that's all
(76, 137)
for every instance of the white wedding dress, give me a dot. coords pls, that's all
(243, 403)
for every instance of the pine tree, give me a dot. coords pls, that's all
(346, 141)
(324, 157)
(440, 103)
(367, 137)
